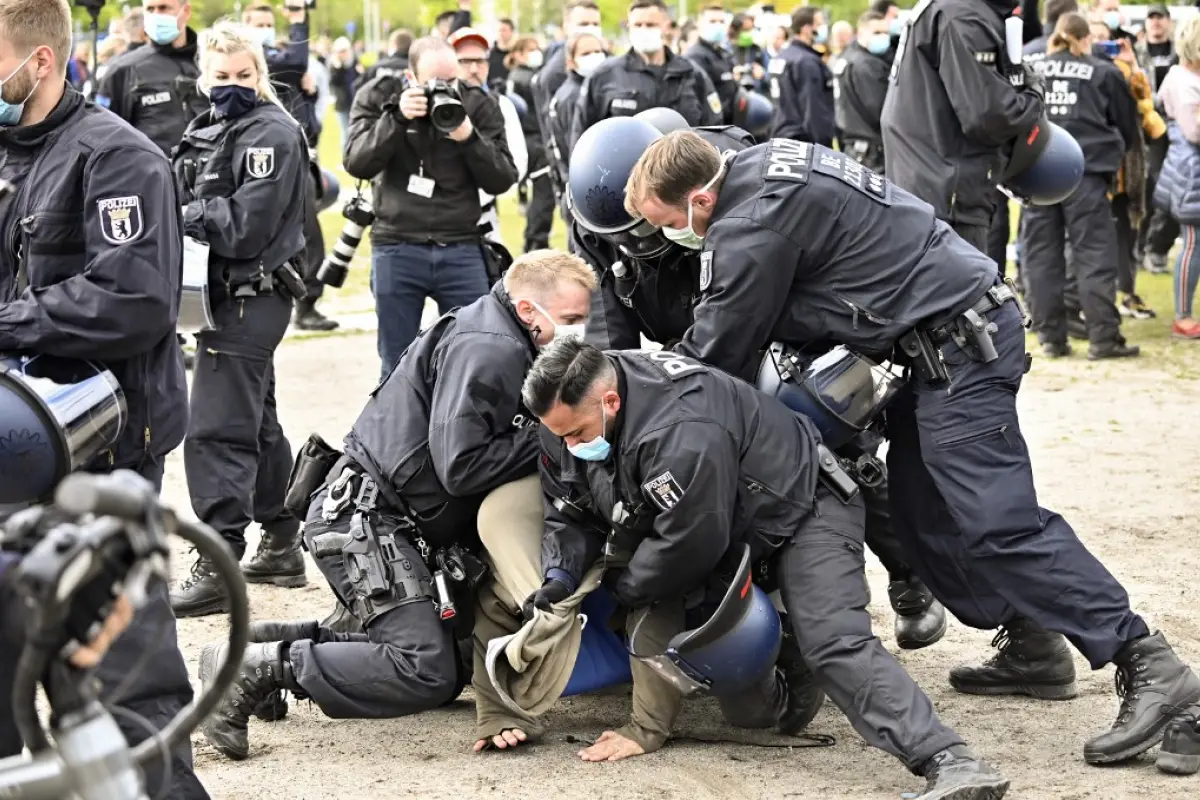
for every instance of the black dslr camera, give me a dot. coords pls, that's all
(446, 111)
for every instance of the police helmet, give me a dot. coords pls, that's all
(664, 120)
(519, 104)
(1046, 166)
(754, 113)
(730, 652)
(841, 391)
(600, 166)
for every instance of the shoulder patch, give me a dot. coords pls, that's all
(776, 66)
(664, 491)
(121, 219)
(260, 161)
(789, 159)
(714, 102)
(706, 264)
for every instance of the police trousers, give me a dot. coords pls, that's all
(236, 456)
(539, 213)
(405, 662)
(965, 507)
(1085, 218)
(160, 692)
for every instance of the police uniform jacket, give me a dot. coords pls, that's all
(447, 426)
(153, 88)
(952, 109)
(717, 63)
(520, 82)
(807, 245)
(700, 461)
(91, 263)
(1091, 100)
(389, 150)
(558, 118)
(624, 85)
(287, 67)
(240, 179)
(861, 81)
(802, 88)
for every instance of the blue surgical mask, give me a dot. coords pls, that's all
(10, 113)
(161, 28)
(878, 43)
(687, 237)
(1112, 19)
(232, 101)
(714, 33)
(597, 449)
(820, 33)
(267, 38)
(895, 26)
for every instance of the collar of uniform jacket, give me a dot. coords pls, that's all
(31, 136)
(502, 296)
(673, 63)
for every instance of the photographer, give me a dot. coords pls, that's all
(426, 182)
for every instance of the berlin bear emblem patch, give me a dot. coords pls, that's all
(260, 161)
(121, 219)
(664, 491)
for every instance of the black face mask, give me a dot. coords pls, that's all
(231, 102)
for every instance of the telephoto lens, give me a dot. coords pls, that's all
(446, 111)
(336, 266)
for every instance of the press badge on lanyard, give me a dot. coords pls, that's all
(420, 185)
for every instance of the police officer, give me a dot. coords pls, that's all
(682, 463)
(711, 54)
(654, 296)
(648, 76)
(883, 276)
(582, 54)
(90, 268)
(398, 511)
(537, 193)
(1090, 99)
(238, 167)
(955, 105)
(860, 83)
(801, 84)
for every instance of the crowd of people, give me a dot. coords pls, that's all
(781, 204)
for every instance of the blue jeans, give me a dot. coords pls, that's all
(344, 124)
(403, 275)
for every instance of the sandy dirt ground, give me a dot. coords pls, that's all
(1112, 450)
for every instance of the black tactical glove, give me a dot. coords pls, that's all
(552, 591)
(1034, 82)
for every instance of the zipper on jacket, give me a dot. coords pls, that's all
(146, 438)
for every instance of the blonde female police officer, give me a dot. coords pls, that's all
(240, 168)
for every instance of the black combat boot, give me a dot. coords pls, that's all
(278, 559)
(1154, 687)
(1180, 754)
(275, 707)
(1032, 661)
(201, 593)
(1115, 349)
(342, 620)
(265, 669)
(805, 698)
(920, 619)
(307, 318)
(957, 774)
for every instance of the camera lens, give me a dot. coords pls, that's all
(446, 113)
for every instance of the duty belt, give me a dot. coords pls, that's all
(971, 330)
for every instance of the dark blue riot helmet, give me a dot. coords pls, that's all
(730, 652)
(665, 120)
(840, 391)
(754, 113)
(600, 165)
(1046, 166)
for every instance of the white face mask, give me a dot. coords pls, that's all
(561, 329)
(586, 65)
(534, 59)
(646, 41)
(687, 237)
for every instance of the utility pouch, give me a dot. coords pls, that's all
(834, 478)
(314, 461)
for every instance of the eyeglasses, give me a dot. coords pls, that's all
(472, 62)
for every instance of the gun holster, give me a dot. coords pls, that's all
(834, 477)
(313, 462)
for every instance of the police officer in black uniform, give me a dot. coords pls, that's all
(524, 61)
(955, 105)
(582, 54)
(860, 79)
(883, 276)
(801, 84)
(90, 268)
(1090, 99)
(239, 168)
(397, 513)
(648, 76)
(682, 462)
(711, 54)
(649, 287)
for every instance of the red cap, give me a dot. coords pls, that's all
(465, 35)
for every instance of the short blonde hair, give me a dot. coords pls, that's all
(29, 24)
(1187, 41)
(539, 272)
(228, 38)
(670, 169)
(111, 47)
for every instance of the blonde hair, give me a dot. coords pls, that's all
(29, 24)
(1070, 33)
(539, 272)
(1187, 41)
(229, 38)
(671, 167)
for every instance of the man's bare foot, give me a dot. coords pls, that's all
(505, 739)
(611, 746)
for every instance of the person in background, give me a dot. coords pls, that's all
(134, 27)
(801, 84)
(536, 194)
(449, 21)
(506, 32)
(1109, 12)
(1156, 55)
(110, 48)
(583, 53)
(1036, 47)
(1178, 189)
(79, 68)
(394, 63)
(316, 83)
(344, 71)
(841, 36)
(861, 75)
(711, 54)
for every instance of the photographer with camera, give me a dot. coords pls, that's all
(429, 143)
